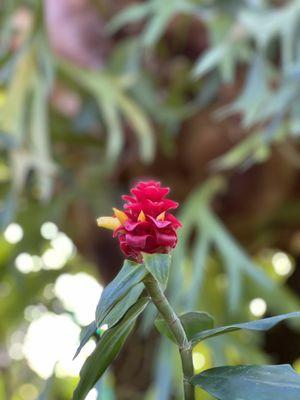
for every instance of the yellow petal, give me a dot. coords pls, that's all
(142, 216)
(108, 223)
(161, 217)
(122, 217)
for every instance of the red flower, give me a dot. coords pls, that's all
(146, 224)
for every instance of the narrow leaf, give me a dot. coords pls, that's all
(114, 128)
(274, 382)
(130, 15)
(258, 325)
(85, 335)
(107, 349)
(130, 275)
(210, 59)
(120, 308)
(140, 125)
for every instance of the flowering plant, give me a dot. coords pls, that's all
(146, 224)
(147, 232)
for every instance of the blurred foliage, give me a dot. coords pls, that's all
(94, 94)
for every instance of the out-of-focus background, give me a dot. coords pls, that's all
(203, 95)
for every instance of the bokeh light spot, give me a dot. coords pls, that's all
(258, 307)
(13, 233)
(79, 294)
(28, 392)
(282, 264)
(49, 230)
(24, 263)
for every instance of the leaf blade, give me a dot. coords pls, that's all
(258, 325)
(130, 275)
(249, 382)
(192, 322)
(106, 351)
(86, 333)
(158, 265)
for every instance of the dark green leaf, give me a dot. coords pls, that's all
(274, 382)
(158, 265)
(107, 349)
(130, 275)
(258, 325)
(120, 308)
(86, 333)
(193, 323)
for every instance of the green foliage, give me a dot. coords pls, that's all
(158, 265)
(159, 15)
(121, 307)
(210, 233)
(248, 382)
(223, 382)
(85, 335)
(259, 325)
(111, 97)
(130, 275)
(168, 63)
(107, 349)
(193, 323)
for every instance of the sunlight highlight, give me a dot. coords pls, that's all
(79, 294)
(13, 233)
(50, 343)
(198, 360)
(49, 230)
(258, 307)
(282, 263)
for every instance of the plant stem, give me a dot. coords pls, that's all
(176, 327)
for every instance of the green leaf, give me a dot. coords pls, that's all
(155, 28)
(193, 323)
(158, 265)
(123, 305)
(196, 321)
(130, 275)
(140, 124)
(130, 15)
(210, 59)
(269, 382)
(47, 392)
(113, 122)
(258, 325)
(107, 349)
(240, 153)
(85, 335)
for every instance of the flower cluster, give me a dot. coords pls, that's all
(145, 224)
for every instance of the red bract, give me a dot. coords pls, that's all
(146, 224)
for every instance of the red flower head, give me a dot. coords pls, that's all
(146, 224)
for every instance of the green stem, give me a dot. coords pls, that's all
(176, 327)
